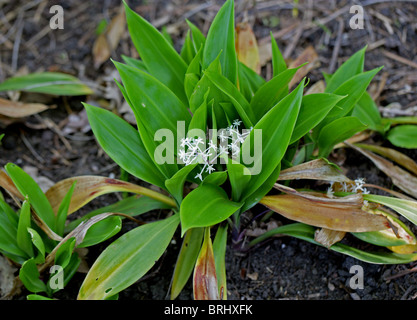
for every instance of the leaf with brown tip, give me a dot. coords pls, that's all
(247, 47)
(401, 178)
(341, 217)
(88, 188)
(393, 155)
(205, 279)
(319, 169)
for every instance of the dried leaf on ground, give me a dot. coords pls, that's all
(319, 169)
(308, 55)
(404, 180)
(247, 47)
(15, 109)
(88, 188)
(341, 217)
(107, 41)
(328, 237)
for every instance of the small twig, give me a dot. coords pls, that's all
(31, 149)
(337, 44)
(290, 48)
(401, 273)
(16, 44)
(398, 58)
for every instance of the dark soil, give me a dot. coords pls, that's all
(281, 268)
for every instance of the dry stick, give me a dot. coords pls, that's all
(401, 273)
(336, 49)
(293, 43)
(319, 22)
(31, 149)
(16, 44)
(398, 58)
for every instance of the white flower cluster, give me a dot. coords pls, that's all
(358, 186)
(193, 149)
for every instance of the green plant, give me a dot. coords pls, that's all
(38, 240)
(206, 87)
(216, 138)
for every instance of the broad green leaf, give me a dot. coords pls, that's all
(123, 144)
(199, 119)
(101, 231)
(306, 232)
(90, 187)
(351, 67)
(62, 213)
(406, 208)
(175, 185)
(23, 238)
(187, 257)
(205, 206)
(132, 206)
(200, 91)
(134, 63)
(219, 251)
(39, 245)
(152, 101)
(353, 89)
(147, 138)
(249, 81)
(167, 35)
(367, 112)
(158, 55)
(193, 75)
(29, 188)
(239, 177)
(197, 36)
(404, 136)
(187, 51)
(68, 272)
(127, 259)
(271, 93)
(239, 101)
(314, 108)
(276, 128)
(8, 211)
(54, 83)
(278, 62)
(8, 239)
(216, 178)
(64, 252)
(256, 196)
(29, 275)
(204, 278)
(221, 40)
(337, 131)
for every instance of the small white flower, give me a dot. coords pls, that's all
(237, 123)
(210, 169)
